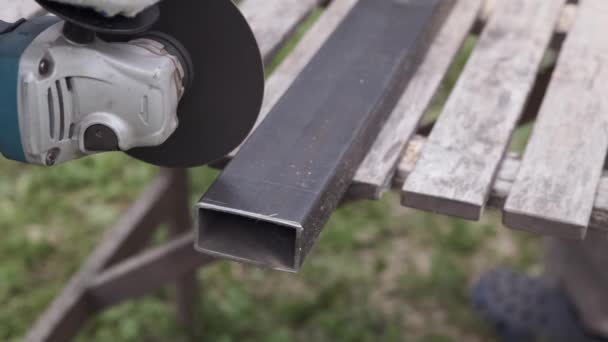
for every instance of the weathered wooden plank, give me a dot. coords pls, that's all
(455, 173)
(187, 287)
(555, 190)
(147, 271)
(377, 169)
(567, 18)
(73, 307)
(563, 25)
(273, 21)
(507, 174)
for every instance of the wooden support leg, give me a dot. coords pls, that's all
(187, 285)
(147, 272)
(74, 306)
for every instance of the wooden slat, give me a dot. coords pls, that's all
(556, 187)
(147, 271)
(505, 178)
(187, 288)
(563, 25)
(567, 18)
(273, 21)
(73, 307)
(377, 169)
(455, 173)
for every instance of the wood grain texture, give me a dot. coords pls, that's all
(563, 26)
(377, 169)
(507, 174)
(556, 187)
(273, 21)
(457, 168)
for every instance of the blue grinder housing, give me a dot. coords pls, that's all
(13, 43)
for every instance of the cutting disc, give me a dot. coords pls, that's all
(217, 113)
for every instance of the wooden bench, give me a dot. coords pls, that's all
(457, 166)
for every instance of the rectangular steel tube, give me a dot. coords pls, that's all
(272, 201)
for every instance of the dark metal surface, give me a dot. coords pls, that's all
(272, 201)
(219, 110)
(92, 20)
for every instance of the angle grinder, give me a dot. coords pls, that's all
(178, 85)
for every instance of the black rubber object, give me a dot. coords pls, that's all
(523, 309)
(217, 113)
(100, 138)
(94, 21)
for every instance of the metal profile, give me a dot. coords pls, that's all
(271, 202)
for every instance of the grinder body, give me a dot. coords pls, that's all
(78, 98)
(13, 42)
(157, 87)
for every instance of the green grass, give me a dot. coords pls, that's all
(379, 272)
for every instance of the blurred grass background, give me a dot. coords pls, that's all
(380, 272)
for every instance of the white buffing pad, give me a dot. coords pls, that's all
(113, 7)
